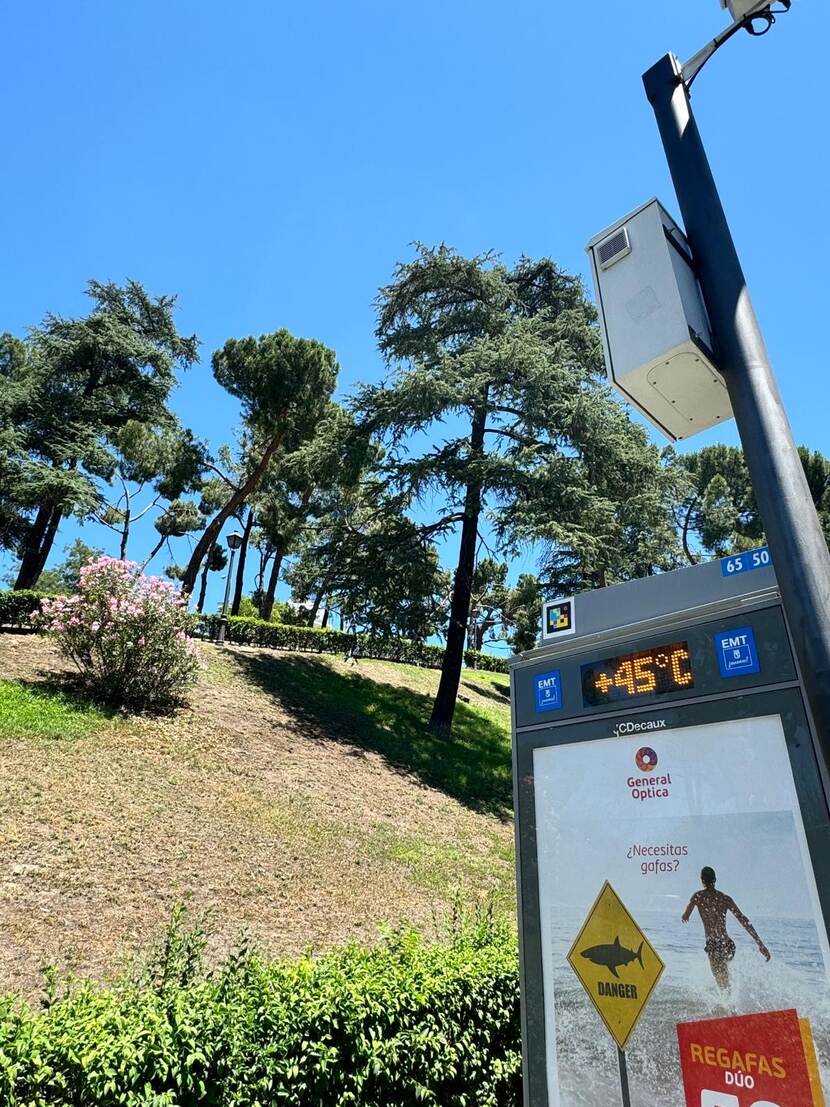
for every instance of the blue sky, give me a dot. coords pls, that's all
(271, 163)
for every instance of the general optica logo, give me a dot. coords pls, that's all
(646, 759)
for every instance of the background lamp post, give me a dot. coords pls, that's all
(234, 542)
(795, 537)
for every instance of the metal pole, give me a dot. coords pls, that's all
(223, 618)
(798, 546)
(626, 1095)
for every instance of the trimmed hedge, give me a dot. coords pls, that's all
(17, 608)
(281, 636)
(402, 1025)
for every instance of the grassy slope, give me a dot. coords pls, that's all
(299, 797)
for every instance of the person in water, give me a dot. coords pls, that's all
(713, 907)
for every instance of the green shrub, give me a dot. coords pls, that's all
(401, 1025)
(486, 662)
(247, 608)
(281, 636)
(17, 608)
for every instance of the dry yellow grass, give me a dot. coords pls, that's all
(262, 810)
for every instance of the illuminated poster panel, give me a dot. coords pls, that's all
(645, 815)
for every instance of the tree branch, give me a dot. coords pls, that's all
(508, 433)
(221, 475)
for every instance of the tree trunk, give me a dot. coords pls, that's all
(200, 606)
(240, 571)
(25, 574)
(686, 524)
(268, 604)
(34, 559)
(325, 620)
(264, 557)
(48, 540)
(444, 707)
(318, 599)
(212, 530)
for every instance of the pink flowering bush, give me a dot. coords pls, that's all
(127, 634)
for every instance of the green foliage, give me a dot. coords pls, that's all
(247, 609)
(403, 1024)
(303, 639)
(282, 382)
(68, 393)
(45, 712)
(488, 600)
(522, 612)
(374, 564)
(284, 385)
(716, 510)
(172, 461)
(485, 661)
(18, 608)
(717, 513)
(63, 579)
(127, 635)
(505, 366)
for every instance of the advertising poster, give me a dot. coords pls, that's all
(680, 919)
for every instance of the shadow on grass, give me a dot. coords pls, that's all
(489, 691)
(71, 689)
(473, 767)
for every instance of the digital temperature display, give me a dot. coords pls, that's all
(648, 673)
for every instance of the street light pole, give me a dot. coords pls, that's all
(796, 540)
(234, 542)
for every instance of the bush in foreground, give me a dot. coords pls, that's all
(127, 634)
(401, 1025)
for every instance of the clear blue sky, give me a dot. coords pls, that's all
(270, 162)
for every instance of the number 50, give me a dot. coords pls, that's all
(726, 1099)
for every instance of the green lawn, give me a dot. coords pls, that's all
(45, 713)
(473, 766)
(501, 680)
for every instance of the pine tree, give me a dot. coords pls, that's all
(503, 367)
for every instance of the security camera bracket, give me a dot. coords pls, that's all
(763, 12)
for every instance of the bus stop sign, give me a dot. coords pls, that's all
(673, 850)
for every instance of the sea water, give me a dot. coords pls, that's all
(686, 992)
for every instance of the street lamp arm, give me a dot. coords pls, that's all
(694, 65)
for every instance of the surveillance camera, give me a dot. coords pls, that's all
(740, 9)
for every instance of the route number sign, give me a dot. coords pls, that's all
(744, 562)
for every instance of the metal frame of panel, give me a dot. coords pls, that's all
(774, 690)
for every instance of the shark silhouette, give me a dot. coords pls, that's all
(614, 956)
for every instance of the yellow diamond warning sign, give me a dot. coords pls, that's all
(616, 964)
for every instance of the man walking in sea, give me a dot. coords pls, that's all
(713, 906)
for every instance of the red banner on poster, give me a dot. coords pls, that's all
(765, 1060)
